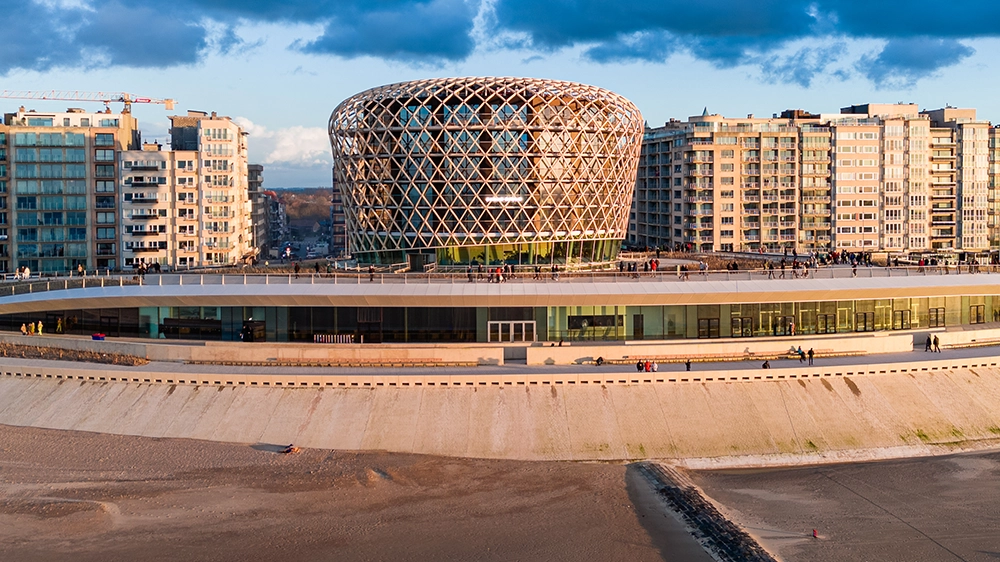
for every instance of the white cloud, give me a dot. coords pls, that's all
(294, 147)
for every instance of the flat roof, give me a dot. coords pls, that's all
(437, 290)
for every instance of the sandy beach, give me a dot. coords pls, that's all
(938, 508)
(79, 496)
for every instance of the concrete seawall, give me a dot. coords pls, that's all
(825, 417)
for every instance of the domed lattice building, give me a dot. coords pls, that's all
(486, 170)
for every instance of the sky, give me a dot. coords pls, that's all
(280, 67)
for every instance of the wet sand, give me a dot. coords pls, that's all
(79, 496)
(939, 509)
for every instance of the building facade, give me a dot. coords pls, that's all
(189, 206)
(323, 309)
(486, 170)
(61, 190)
(874, 177)
(260, 220)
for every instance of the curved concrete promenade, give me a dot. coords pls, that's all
(724, 414)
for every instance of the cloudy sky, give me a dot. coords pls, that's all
(280, 67)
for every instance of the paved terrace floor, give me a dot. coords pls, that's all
(515, 369)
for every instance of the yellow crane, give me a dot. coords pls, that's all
(73, 95)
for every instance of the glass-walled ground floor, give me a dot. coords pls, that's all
(567, 252)
(514, 324)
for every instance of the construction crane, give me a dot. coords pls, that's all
(71, 95)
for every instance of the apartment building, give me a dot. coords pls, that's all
(260, 220)
(874, 177)
(59, 179)
(4, 201)
(188, 206)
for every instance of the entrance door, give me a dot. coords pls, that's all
(901, 320)
(511, 331)
(708, 327)
(109, 325)
(638, 332)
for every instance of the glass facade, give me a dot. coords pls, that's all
(483, 324)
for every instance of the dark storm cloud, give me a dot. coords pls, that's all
(921, 36)
(438, 30)
(903, 61)
(788, 40)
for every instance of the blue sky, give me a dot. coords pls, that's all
(280, 67)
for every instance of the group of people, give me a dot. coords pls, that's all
(803, 355)
(35, 328)
(932, 344)
(632, 268)
(796, 266)
(22, 272)
(647, 366)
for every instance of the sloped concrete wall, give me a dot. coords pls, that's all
(705, 423)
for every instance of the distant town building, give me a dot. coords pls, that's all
(259, 214)
(59, 189)
(875, 177)
(188, 206)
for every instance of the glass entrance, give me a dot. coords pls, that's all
(511, 331)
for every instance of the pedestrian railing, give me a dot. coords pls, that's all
(37, 285)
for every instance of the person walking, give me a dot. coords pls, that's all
(802, 355)
(928, 344)
(639, 366)
(31, 329)
(648, 366)
(59, 328)
(297, 269)
(687, 365)
(39, 327)
(937, 345)
(654, 367)
(24, 329)
(766, 365)
(810, 354)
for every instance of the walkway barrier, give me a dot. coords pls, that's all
(524, 274)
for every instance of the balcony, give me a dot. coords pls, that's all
(699, 199)
(751, 237)
(787, 238)
(142, 217)
(142, 200)
(787, 224)
(787, 197)
(145, 233)
(696, 159)
(143, 184)
(143, 249)
(751, 198)
(816, 199)
(751, 211)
